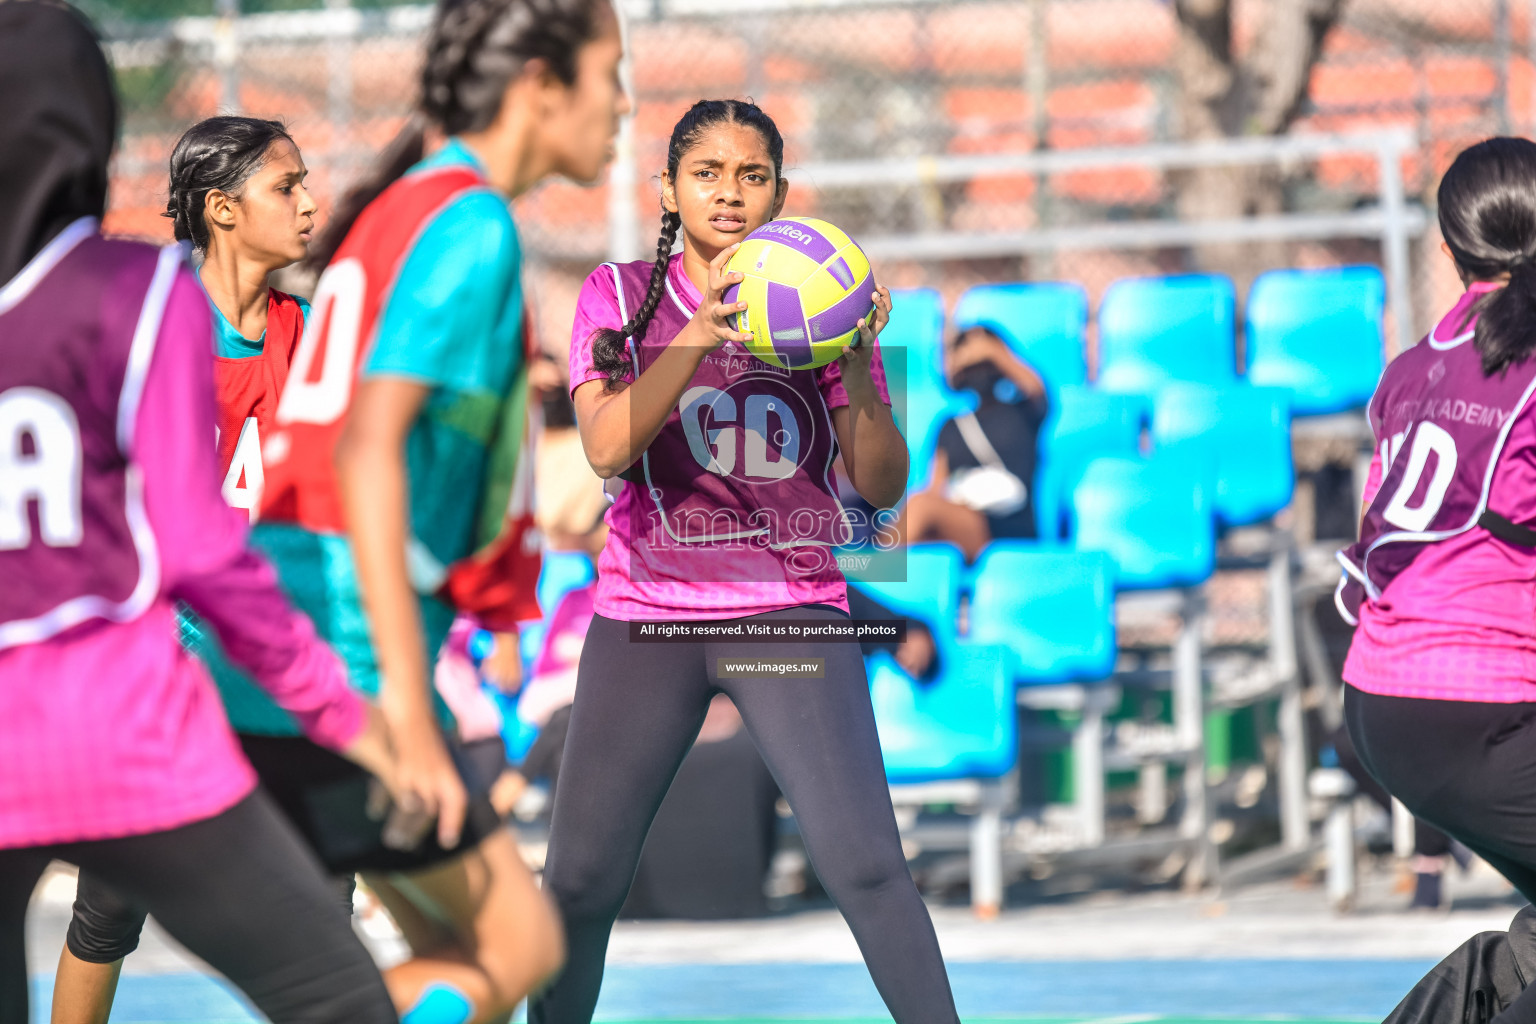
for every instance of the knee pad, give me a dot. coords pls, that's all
(104, 927)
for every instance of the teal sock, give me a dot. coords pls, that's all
(440, 1004)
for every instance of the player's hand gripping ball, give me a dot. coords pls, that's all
(807, 285)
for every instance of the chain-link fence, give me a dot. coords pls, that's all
(855, 81)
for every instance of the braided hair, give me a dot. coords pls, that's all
(220, 154)
(475, 50)
(1487, 205)
(608, 355)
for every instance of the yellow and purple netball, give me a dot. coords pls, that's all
(807, 285)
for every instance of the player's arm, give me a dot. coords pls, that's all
(618, 425)
(438, 329)
(874, 452)
(371, 472)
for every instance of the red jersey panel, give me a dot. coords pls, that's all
(248, 392)
(498, 581)
(300, 481)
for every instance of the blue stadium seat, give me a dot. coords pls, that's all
(1153, 330)
(562, 572)
(1152, 516)
(962, 725)
(930, 592)
(1084, 422)
(912, 346)
(1043, 323)
(1247, 432)
(1318, 334)
(1053, 607)
(516, 734)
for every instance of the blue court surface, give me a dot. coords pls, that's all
(1067, 992)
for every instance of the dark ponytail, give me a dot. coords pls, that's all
(220, 154)
(476, 49)
(608, 355)
(1488, 219)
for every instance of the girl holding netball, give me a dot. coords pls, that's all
(114, 753)
(726, 511)
(1442, 669)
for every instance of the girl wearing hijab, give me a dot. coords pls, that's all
(114, 752)
(406, 422)
(237, 196)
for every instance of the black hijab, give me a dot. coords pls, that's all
(58, 121)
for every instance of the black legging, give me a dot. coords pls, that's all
(104, 927)
(241, 891)
(638, 708)
(1428, 841)
(1469, 769)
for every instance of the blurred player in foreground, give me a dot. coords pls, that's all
(638, 706)
(393, 461)
(114, 752)
(237, 196)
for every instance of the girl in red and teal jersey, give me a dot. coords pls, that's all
(389, 460)
(394, 460)
(238, 196)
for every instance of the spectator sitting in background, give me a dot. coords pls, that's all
(984, 465)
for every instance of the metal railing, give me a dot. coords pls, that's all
(1392, 221)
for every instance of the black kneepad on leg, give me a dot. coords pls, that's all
(105, 927)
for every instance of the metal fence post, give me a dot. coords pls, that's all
(1037, 83)
(1394, 240)
(623, 213)
(1530, 55)
(338, 57)
(1504, 39)
(226, 55)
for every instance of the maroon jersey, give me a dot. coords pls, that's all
(742, 465)
(75, 543)
(1440, 427)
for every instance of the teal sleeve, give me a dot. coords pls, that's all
(446, 315)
